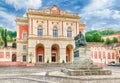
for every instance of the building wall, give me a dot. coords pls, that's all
(6, 54)
(46, 46)
(112, 36)
(103, 55)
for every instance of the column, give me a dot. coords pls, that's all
(47, 55)
(62, 55)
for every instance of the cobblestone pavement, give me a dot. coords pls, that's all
(38, 75)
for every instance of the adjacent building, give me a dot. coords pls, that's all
(47, 36)
(7, 54)
(112, 36)
(101, 53)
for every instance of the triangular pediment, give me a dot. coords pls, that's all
(54, 10)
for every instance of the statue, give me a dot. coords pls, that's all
(82, 64)
(80, 40)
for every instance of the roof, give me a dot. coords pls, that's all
(53, 11)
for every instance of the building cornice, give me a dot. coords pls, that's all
(21, 21)
(38, 13)
(52, 38)
(22, 41)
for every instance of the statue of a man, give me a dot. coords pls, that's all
(80, 40)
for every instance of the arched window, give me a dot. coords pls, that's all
(24, 35)
(69, 32)
(55, 32)
(40, 31)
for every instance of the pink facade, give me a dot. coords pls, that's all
(6, 54)
(103, 55)
(112, 36)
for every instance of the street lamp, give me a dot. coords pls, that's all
(31, 57)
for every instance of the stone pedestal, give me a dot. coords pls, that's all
(83, 65)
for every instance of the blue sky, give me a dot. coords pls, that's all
(97, 14)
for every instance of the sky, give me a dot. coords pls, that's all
(96, 14)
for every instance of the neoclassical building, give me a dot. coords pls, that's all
(47, 35)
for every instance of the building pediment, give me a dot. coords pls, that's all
(54, 11)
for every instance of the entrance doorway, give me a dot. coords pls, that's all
(24, 58)
(55, 53)
(14, 58)
(40, 58)
(53, 57)
(40, 53)
(69, 50)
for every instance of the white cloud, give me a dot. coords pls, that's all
(98, 4)
(7, 20)
(24, 4)
(99, 14)
(116, 15)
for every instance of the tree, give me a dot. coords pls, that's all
(3, 34)
(96, 37)
(14, 45)
(1, 41)
(5, 38)
(102, 40)
(108, 41)
(114, 40)
(9, 38)
(89, 38)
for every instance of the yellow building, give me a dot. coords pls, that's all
(47, 35)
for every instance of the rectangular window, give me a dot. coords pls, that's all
(108, 55)
(69, 33)
(67, 58)
(40, 58)
(55, 33)
(113, 57)
(24, 47)
(99, 55)
(24, 58)
(95, 55)
(104, 55)
(24, 36)
(40, 32)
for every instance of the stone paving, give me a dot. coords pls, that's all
(47, 74)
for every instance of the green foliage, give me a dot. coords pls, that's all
(9, 38)
(96, 37)
(11, 34)
(115, 40)
(5, 40)
(91, 32)
(14, 45)
(107, 32)
(102, 40)
(108, 41)
(1, 41)
(102, 33)
(89, 38)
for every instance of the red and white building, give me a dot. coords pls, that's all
(100, 53)
(7, 55)
(112, 36)
(47, 35)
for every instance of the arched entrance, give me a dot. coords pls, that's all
(69, 49)
(40, 53)
(55, 53)
(13, 57)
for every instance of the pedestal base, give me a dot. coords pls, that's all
(83, 65)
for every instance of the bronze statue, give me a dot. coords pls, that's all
(80, 40)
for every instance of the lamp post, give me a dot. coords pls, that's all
(30, 57)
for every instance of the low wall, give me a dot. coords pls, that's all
(99, 64)
(16, 64)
